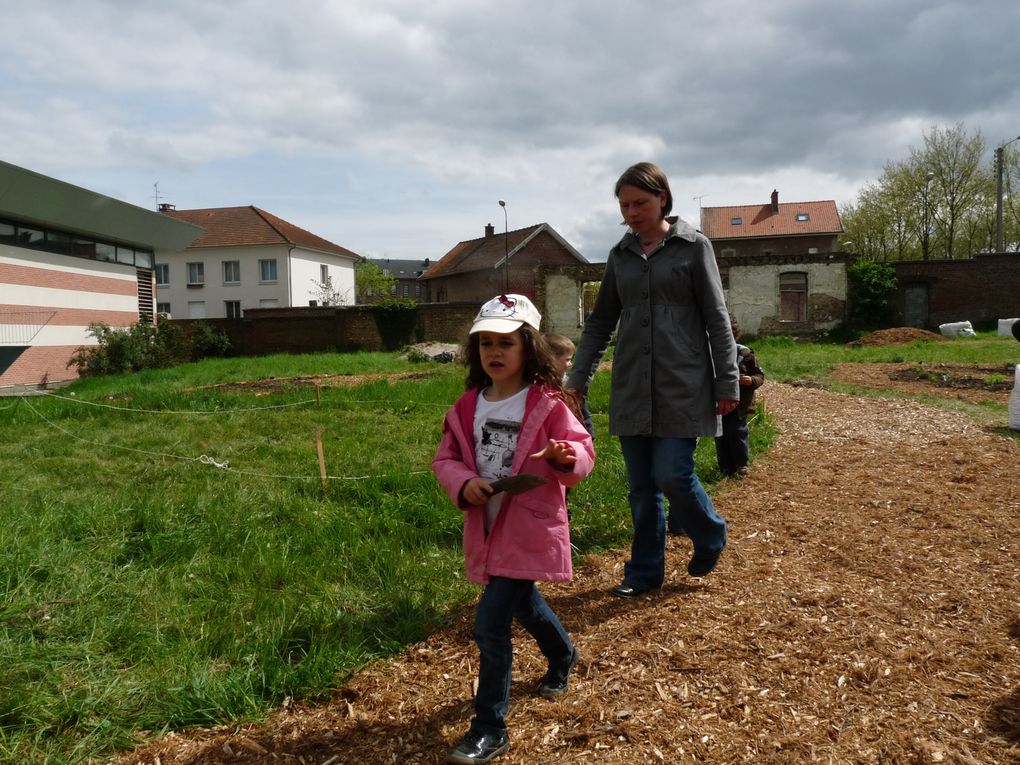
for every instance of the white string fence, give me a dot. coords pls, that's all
(205, 459)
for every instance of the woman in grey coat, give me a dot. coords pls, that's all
(674, 372)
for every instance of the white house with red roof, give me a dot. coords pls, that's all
(249, 258)
(781, 264)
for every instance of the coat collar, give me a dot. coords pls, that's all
(680, 229)
(539, 400)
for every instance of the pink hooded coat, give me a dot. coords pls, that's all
(530, 538)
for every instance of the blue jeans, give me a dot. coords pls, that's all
(503, 601)
(657, 467)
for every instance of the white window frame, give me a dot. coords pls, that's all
(232, 265)
(266, 266)
(196, 274)
(232, 309)
(162, 269)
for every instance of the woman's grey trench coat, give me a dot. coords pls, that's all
(675, 354)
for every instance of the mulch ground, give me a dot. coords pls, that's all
(867, 610)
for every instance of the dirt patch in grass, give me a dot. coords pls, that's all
(278, 384)
(964, 382)
(867, 610)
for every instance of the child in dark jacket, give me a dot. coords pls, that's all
(733, 448)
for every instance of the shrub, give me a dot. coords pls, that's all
(872, 285)
(146, 346)
(398, 322)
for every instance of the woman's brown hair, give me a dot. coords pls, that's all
(647, 177)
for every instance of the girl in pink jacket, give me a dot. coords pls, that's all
(511, 420)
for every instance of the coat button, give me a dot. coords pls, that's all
(644, 294)
(644, 322)
(645, 349)
(644, 268)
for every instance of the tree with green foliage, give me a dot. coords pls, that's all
(372, 283)
(938, 203)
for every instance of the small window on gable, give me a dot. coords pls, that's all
(736, 221)
(803, 216)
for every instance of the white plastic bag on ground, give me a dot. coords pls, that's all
(957, 329)
(1006, 327)
(1014, 402)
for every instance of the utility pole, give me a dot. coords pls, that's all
(926, 233)
(1000, 155)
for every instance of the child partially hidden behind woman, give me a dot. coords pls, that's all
(511, 420)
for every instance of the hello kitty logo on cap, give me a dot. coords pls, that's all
(505, 314)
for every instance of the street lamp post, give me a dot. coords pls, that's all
(1000, 243)
(506, 248)
(925, 233)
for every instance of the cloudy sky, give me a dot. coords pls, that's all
(393, 127)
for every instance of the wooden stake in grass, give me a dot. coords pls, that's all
(317, 402)
(322, 457)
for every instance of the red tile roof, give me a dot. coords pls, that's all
(232, 226)
(758, 221)
(485, 252)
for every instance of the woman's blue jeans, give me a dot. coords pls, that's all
(503, 601)
(657, 467)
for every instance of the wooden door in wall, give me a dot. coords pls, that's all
(915, 305)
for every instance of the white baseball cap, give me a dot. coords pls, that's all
(506, 313)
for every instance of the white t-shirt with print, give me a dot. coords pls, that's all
(497, 426)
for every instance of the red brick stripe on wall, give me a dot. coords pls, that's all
(65, 317)
(46, 362)
(54, 278)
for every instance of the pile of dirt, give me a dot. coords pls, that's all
(897, 336)
(867, 610)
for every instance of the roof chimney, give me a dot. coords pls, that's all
(489, 230)
(166, 207)
(775, 201)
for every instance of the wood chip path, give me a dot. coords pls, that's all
(867, 610)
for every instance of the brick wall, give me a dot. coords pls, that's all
(555, 289)
(38, 366)
(777, 246)
(981, 289)
(265, 331)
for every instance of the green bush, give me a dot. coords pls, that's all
(146, 346)
(398, 322)
(872, 286)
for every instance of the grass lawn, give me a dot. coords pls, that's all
(169, 555)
